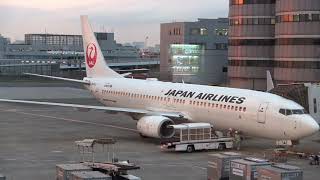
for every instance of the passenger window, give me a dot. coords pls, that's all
(282, 111)
(244, 109)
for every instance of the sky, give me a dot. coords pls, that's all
(130, 20)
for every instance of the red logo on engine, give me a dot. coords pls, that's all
(91, 55)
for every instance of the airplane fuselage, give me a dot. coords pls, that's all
(251, 112)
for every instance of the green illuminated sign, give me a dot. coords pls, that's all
(185, 58)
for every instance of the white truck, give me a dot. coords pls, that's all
(190, 137)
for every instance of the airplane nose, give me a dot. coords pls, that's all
(309, 126)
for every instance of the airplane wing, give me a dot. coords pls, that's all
(116, 109)
(59, 78)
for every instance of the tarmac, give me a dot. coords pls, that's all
(33, 139)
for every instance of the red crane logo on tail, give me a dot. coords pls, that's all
(91, 55)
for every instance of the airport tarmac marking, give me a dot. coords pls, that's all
(57, 151)
(71, 120)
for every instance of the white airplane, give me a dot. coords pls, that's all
(156, 104)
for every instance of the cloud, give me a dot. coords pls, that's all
(129, 19)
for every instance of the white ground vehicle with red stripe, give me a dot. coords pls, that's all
(190, 137)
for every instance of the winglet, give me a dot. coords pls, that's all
(270, 84)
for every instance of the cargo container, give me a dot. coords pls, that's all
(279, 172)
(63, 171)
(219, 165)
(128, 177)
(89, 175)
(246, 169)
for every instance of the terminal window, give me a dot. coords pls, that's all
(203, 31)
(221, 32)
(195, 31)
(185, 58)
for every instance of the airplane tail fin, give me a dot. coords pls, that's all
(96, 66)
(270, 84)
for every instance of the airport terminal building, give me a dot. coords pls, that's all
(282, 36)
(64, 47)
(52, 53)
(3, 44)
(194, 52)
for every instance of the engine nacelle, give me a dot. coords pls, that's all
(155, 126)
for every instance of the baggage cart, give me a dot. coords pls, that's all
(190, 137)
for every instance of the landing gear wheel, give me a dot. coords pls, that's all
(190, 148)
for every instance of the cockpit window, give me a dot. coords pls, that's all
(288, 112)
(298, 111)
(282, 111)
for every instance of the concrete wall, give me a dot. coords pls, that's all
(288, 46)
(298, 42)
(250, 25)
(213, 61)
(167, 37)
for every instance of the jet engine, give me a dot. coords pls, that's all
(155, 126)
